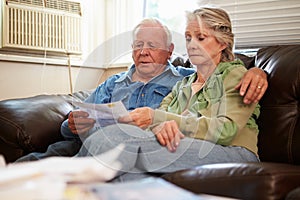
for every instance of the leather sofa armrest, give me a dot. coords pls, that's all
(32, 124)
(239, 180)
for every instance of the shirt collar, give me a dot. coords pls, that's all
(128, 75)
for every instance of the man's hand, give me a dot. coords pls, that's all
(79, 122)
(253, 85)
(168, 134)
(141, 117)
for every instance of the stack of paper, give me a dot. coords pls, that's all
(22, 180)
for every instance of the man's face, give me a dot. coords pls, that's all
(150, 51)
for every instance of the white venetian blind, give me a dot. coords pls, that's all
(258, 23)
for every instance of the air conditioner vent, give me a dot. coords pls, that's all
(63, 5)
(54, 28)
(28, 2)
(68, 6)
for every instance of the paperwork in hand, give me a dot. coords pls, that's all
(104, 114)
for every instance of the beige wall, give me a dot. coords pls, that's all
(19, 80)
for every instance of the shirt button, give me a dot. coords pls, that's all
(143, 95)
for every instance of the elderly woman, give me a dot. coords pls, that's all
(202, 121)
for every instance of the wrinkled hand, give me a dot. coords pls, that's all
(168, 134)
(253, 85)
(79, 122)
(141, 117)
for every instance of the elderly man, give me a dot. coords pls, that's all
(146, 83)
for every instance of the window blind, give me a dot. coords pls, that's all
(258, 23)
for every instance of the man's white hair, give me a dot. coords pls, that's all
(155, 22)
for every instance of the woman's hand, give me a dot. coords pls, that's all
(168, 134)
(141, 117)
(253, 85)
(79, 122)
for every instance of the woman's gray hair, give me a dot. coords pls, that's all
(155, 22)
(219, 22)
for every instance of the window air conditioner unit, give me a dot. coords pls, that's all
(42, 25)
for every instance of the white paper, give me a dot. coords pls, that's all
(104, 114)
(2, 161)
(99, 168)
(32, 180)
(144, 189)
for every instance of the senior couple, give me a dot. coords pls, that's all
(179, 118)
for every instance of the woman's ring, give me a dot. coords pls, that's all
(259, 87)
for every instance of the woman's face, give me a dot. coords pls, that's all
(202, 46)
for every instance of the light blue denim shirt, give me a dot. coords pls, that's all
(120, 87)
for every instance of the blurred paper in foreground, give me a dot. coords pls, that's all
(31, 180)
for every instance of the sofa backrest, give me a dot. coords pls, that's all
(279, 121)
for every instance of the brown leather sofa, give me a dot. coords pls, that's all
(31, 124)
(279, 139)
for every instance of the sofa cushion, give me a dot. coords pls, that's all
(247, 60)
(31, 124)
(294, 194)
(240, 180)
(279, 121)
